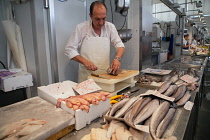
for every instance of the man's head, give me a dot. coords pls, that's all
(98, 14)
(195, 37)
(186, 36)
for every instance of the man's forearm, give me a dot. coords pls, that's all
(79, 59)
(120, 52)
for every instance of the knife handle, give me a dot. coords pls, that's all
(96, 75)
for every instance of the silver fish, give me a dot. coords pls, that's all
(126, 107)
(157, 117)
(180, 92)
(164, 86)
(165, 122)
(147, 111)
(117, 106)
(174, 78)
(170, 90)
(184, 99)
(138, 107)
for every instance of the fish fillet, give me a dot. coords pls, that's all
(123, 134)
(98, 134)
(113, 126)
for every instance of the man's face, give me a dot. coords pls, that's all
(99, 16)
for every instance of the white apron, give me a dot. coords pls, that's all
(96, 50)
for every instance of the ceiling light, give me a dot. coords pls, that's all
(201, 16)
(203, 20)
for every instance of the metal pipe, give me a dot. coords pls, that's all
(140, 35)
(52, 42)
(162, 12)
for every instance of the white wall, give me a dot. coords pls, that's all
(130, 59)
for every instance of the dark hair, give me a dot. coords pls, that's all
(186, 35)
(195, 35)
(96, 3)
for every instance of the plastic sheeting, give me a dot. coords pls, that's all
(14, 39)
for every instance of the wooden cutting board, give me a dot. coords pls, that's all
(110, 79)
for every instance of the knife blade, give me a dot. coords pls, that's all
(97, 75)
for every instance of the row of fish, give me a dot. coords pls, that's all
(151, 111)
(15, 130)
(173, 76)
(83, 101)
(143, 111)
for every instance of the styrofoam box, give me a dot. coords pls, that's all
(16, 81)
(63, 90)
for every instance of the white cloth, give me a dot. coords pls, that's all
(76, 39)
(184, 42)
(97, 50)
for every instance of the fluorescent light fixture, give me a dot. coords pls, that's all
(203, 20)
(201, 16)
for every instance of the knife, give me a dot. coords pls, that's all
(97, 75)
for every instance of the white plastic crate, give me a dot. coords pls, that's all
(63, 90)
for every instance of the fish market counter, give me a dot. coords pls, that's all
(184, 123)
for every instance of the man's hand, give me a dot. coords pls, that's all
(90, 65)
(115, 66)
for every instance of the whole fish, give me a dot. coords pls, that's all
(113, 126)
(117, 106)
(126, 107)
(147, 111)
(166, 77)
(170, 90)
(164, 86)
(157, 117)
(165, 122)
(184, 99)
(180, 92)
(174, 78)
(138, 107)
(147, 136)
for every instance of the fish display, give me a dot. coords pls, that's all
(126, 107)
(170, 90)
(83, 101)
(147, 111)
(184, 99)
(180, 92)
(164, 86)
(117, 106)
(147, 79)
(157, 117)
(165, 122)
(21, 128)
(132, 118)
